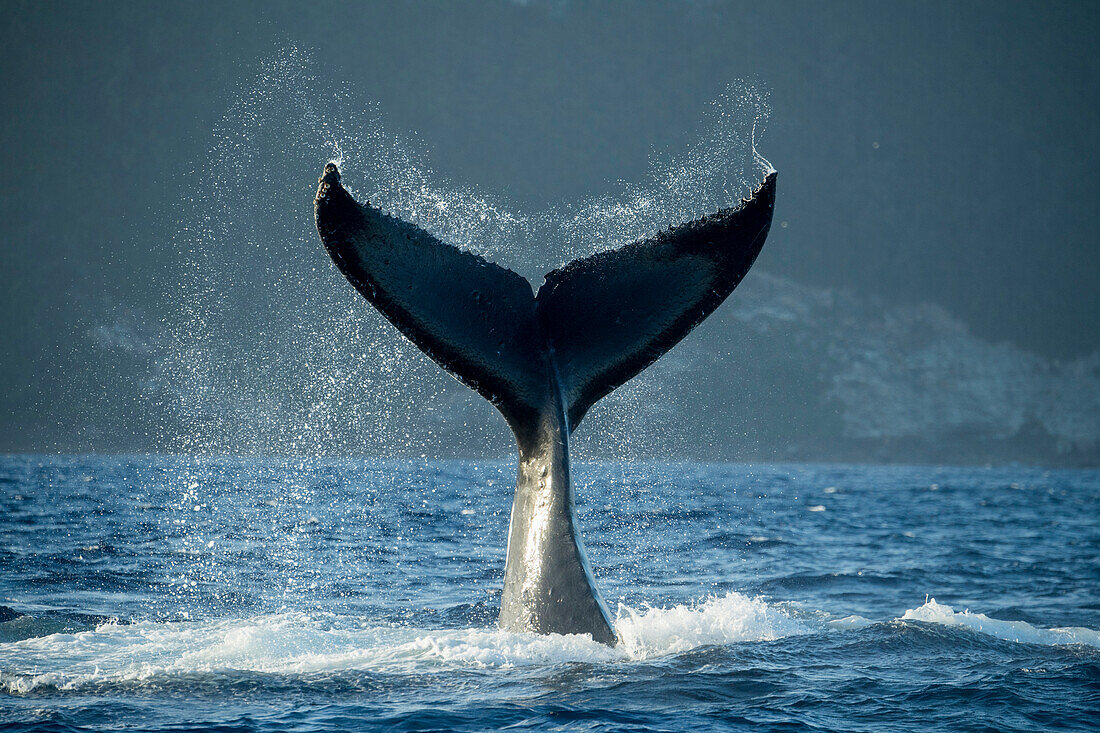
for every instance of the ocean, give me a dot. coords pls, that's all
(165, 593)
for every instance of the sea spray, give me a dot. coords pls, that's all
(271, 354)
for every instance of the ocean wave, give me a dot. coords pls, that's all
(726, 619)
(1017, 631)
(300, 645)
(304, 644)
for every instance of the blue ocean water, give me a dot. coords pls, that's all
(166, 593)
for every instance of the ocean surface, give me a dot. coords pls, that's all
(165, 593)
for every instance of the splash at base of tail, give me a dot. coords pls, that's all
(544, 359)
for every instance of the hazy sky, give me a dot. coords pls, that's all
(940, 152)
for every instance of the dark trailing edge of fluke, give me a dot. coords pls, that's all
(544, 359)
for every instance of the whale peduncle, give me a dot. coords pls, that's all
(548, 585)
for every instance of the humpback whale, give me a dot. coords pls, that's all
(543, 359)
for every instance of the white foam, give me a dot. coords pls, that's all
(1017, 631)
(297, 643)
(303, 644)
(719, 620)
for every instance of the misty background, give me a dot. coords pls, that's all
(928, 291)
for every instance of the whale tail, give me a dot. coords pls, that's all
(605, 317)
(543, 359)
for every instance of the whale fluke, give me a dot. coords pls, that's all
(543, 359)
(611, 315)
(474, 318)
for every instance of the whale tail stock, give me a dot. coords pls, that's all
(543, 359)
